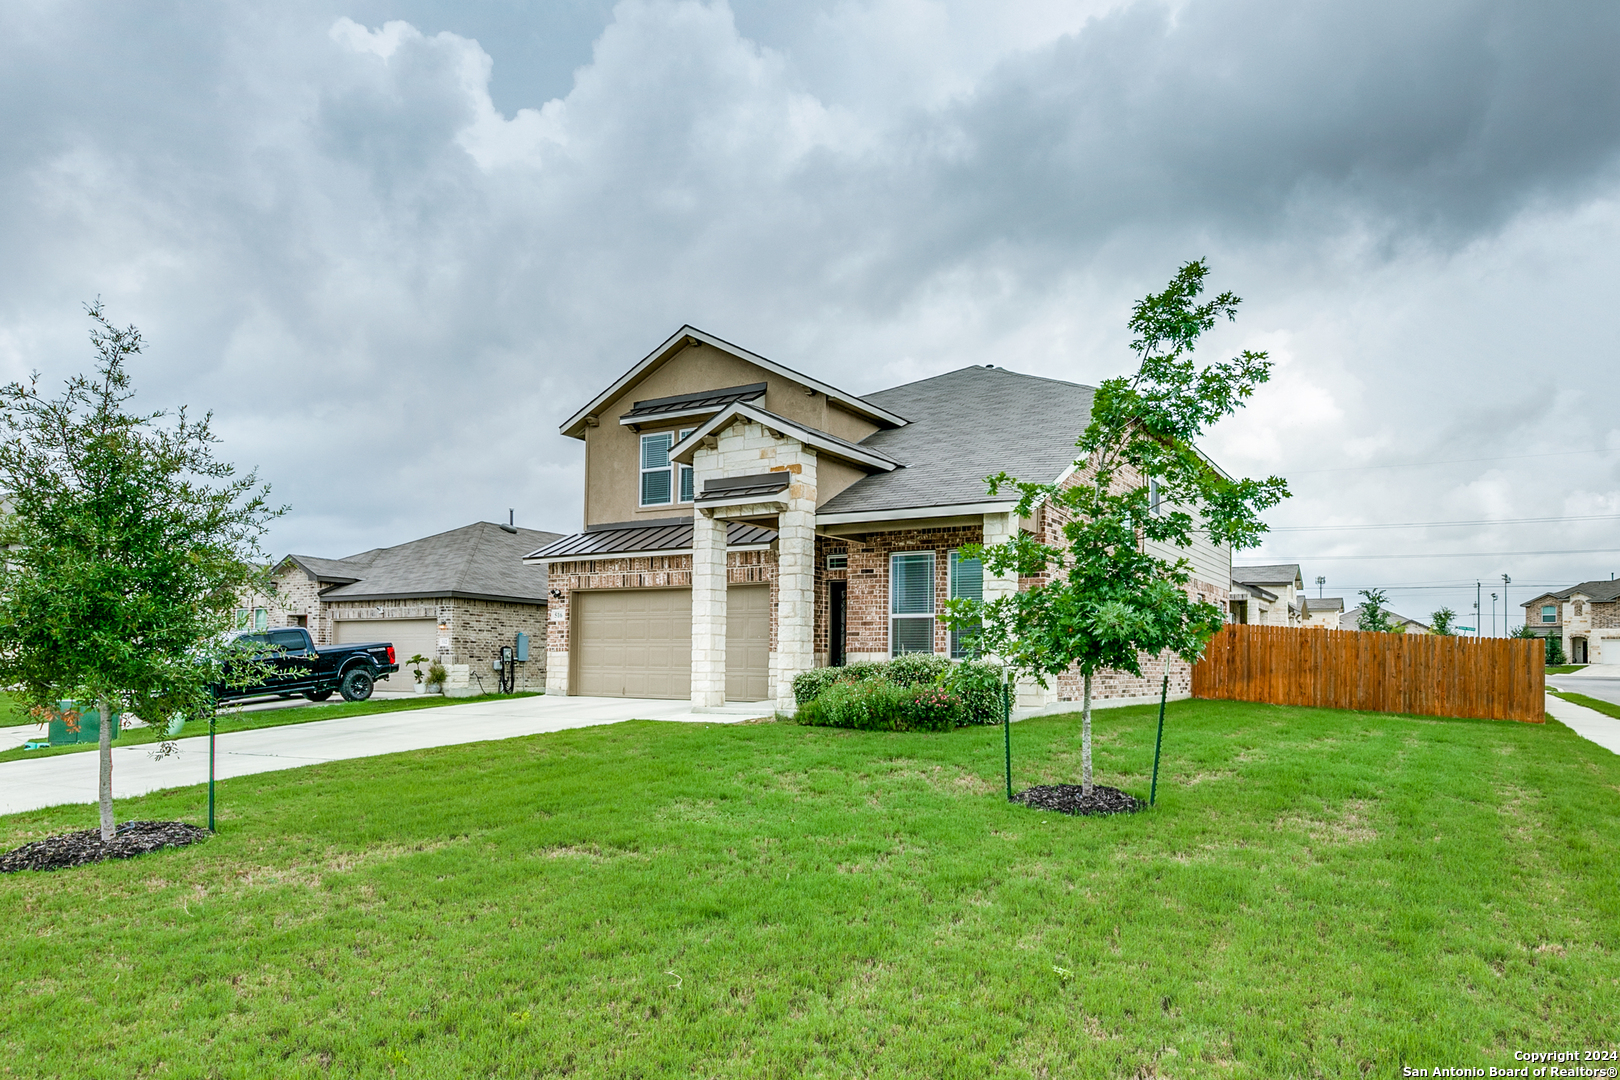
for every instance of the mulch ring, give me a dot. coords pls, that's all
(1067, 799)
(80, 848)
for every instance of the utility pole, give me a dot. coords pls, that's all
(1320, 581)
(1493, 614)
(1479, 607)
(1506, 581)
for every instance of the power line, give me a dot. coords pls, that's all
(1445, 524)
(1452, 461)
(1445, 555)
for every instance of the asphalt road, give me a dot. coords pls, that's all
(1602, 689)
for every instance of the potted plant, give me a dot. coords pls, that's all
(415, 663)
(435, 678)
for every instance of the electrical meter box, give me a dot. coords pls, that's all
(522, 647)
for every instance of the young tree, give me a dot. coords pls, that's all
(1104, 599)
(127, 544)
(1374, 616)
(1442, 621)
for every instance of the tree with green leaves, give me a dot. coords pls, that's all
(1442, 622)
(127, 543)
(1375, 617)
(1104, 598)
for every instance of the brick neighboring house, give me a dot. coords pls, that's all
(457, 595)
(744, 522)
(1585, 617)
(1267, 595)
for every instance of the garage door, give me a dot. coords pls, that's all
(632, 643)
(407, 636)
(748, 642)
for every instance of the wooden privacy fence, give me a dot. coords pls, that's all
(1489, 678)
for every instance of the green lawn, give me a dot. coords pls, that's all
(1317, 894)
(230, 720)
(1564, 669)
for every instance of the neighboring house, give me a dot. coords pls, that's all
(457, 596)
(1351, 620)
(1267, 595)
(1322, 612)
(745, 522)
(1586, 617)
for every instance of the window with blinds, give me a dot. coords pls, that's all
(911, 602)
(967, 583)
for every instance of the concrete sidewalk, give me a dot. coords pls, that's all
(1587, 723)
(71, 778)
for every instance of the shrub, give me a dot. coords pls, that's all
(808, 685)
(1555, 651)
(916, 669)
(867, 705)
(930, 708)
(978, 684)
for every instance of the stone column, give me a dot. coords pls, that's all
(795, 598)
(708, 611)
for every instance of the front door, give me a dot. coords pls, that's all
(837, 599)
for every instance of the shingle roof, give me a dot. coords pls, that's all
(966, 425)
(1600, 591)
(1351, 620)
(480, 561)
(1325, 603)
(666, 534)
(1276, 572)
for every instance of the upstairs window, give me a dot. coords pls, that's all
(1155, 497)
(1549, 613)
(661, 479)
(967, 583)
(911, 603)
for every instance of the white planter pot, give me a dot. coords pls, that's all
(421, 688)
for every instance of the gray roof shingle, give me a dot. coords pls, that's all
(1266, 575)
(1601, 592)
(480, 561)
(966, 425)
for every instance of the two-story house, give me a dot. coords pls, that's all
(1585, 617)
(1267, 595)
(745, 522)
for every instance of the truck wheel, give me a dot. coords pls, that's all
(356, 685)
(317, 695)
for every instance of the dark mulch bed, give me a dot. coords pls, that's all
(79, 848)
(1066, 799)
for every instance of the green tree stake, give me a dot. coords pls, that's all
(210, 772)
(1006, 731)
(1164, 695)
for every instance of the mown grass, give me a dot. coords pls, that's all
(1607, 708)
(233, 720)
(1317, 893)
(1564, 669)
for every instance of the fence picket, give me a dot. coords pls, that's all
(1489, 678)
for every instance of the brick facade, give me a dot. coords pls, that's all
(866, 624)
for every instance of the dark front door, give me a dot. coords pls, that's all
(837, 596)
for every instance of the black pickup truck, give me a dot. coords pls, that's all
(302, 668)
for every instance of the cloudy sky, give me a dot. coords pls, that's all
(393, 243)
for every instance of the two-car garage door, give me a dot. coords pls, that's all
(638, 643)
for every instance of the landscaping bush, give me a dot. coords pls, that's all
(978, 684)
(870, 704)
(917, 669)
(1555, 652)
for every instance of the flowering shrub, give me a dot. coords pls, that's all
(939, 694)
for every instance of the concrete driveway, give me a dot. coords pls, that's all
(71, 778)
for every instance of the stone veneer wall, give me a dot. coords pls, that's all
(478, 629)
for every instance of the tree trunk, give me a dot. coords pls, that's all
(1085, 737)
(104, 749)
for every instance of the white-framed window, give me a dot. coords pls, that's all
(911, 602)
(242, 618)
(261, 618)
(1549, 613)
(838, 562)
(663, 481)
(967, 583)
(1155, 497)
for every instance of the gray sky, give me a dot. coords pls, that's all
(393, 245)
